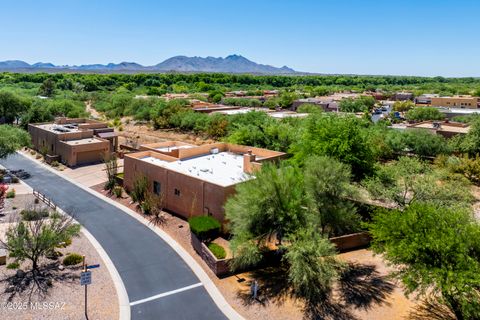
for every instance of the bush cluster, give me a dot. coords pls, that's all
(206, 228)
(72, 259)
(32, 215)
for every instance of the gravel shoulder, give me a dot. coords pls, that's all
(65, 298)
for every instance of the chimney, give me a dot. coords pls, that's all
(248, 158)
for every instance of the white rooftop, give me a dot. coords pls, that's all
(224, 168)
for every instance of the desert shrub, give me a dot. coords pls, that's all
(72, 259)
(11, 194)
(32, 215)
(54, 164)
(206, 228)
(140, 186)
(32, 152)
(117, 191)
(217, 250)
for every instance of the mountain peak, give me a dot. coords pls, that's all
(233, 63)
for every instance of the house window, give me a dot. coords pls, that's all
(157, 188)
(177, 192)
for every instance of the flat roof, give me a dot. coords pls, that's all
(58, 128)
(224, 168)
(82, 141)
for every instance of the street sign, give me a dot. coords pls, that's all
(93, 266)
(86, 278)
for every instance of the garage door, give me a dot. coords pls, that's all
(89, 157)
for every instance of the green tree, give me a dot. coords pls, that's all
(410, 180)
(424, 113)
(471, 142)
(11, 106)
(343, 138)
(32, 240)
(417, 141)
(403, 106)
(329, 191)
(12, 139)
(361, 104)
(436, 252)
(272, 209)
(47, 88)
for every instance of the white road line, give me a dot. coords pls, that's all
(161, 295)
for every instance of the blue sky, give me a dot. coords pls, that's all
(421, 37)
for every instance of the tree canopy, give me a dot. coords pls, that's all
(342, 138)
(12, 139)
(436, 251)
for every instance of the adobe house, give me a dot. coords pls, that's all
(195, 180)
(445, 128)
(73, 141)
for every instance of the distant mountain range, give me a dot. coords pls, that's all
(182, 64)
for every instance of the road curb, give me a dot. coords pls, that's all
(212, 290)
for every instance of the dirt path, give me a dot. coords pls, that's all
(93, 113)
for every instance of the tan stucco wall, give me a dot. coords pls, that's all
(457, 102)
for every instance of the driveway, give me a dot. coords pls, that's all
(158, 282)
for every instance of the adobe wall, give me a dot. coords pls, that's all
(190, 201)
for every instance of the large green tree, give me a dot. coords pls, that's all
(341, 137)
(436, 252)
(330, 193)
(12, 139)
(273, 209)
(11, 106)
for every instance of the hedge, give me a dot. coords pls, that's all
(217, 250)
(206, 228)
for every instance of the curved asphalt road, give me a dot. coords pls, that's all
(146, 264)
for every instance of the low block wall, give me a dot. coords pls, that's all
(351, 241)
(219, 267)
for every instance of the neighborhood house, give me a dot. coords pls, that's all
(195, 180)
(73, 141)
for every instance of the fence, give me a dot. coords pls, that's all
(44, 199)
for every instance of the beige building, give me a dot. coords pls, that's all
(195, 180)
(456, 102)
(73, 141)
(445, 128)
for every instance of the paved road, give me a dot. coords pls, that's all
(146, 264)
